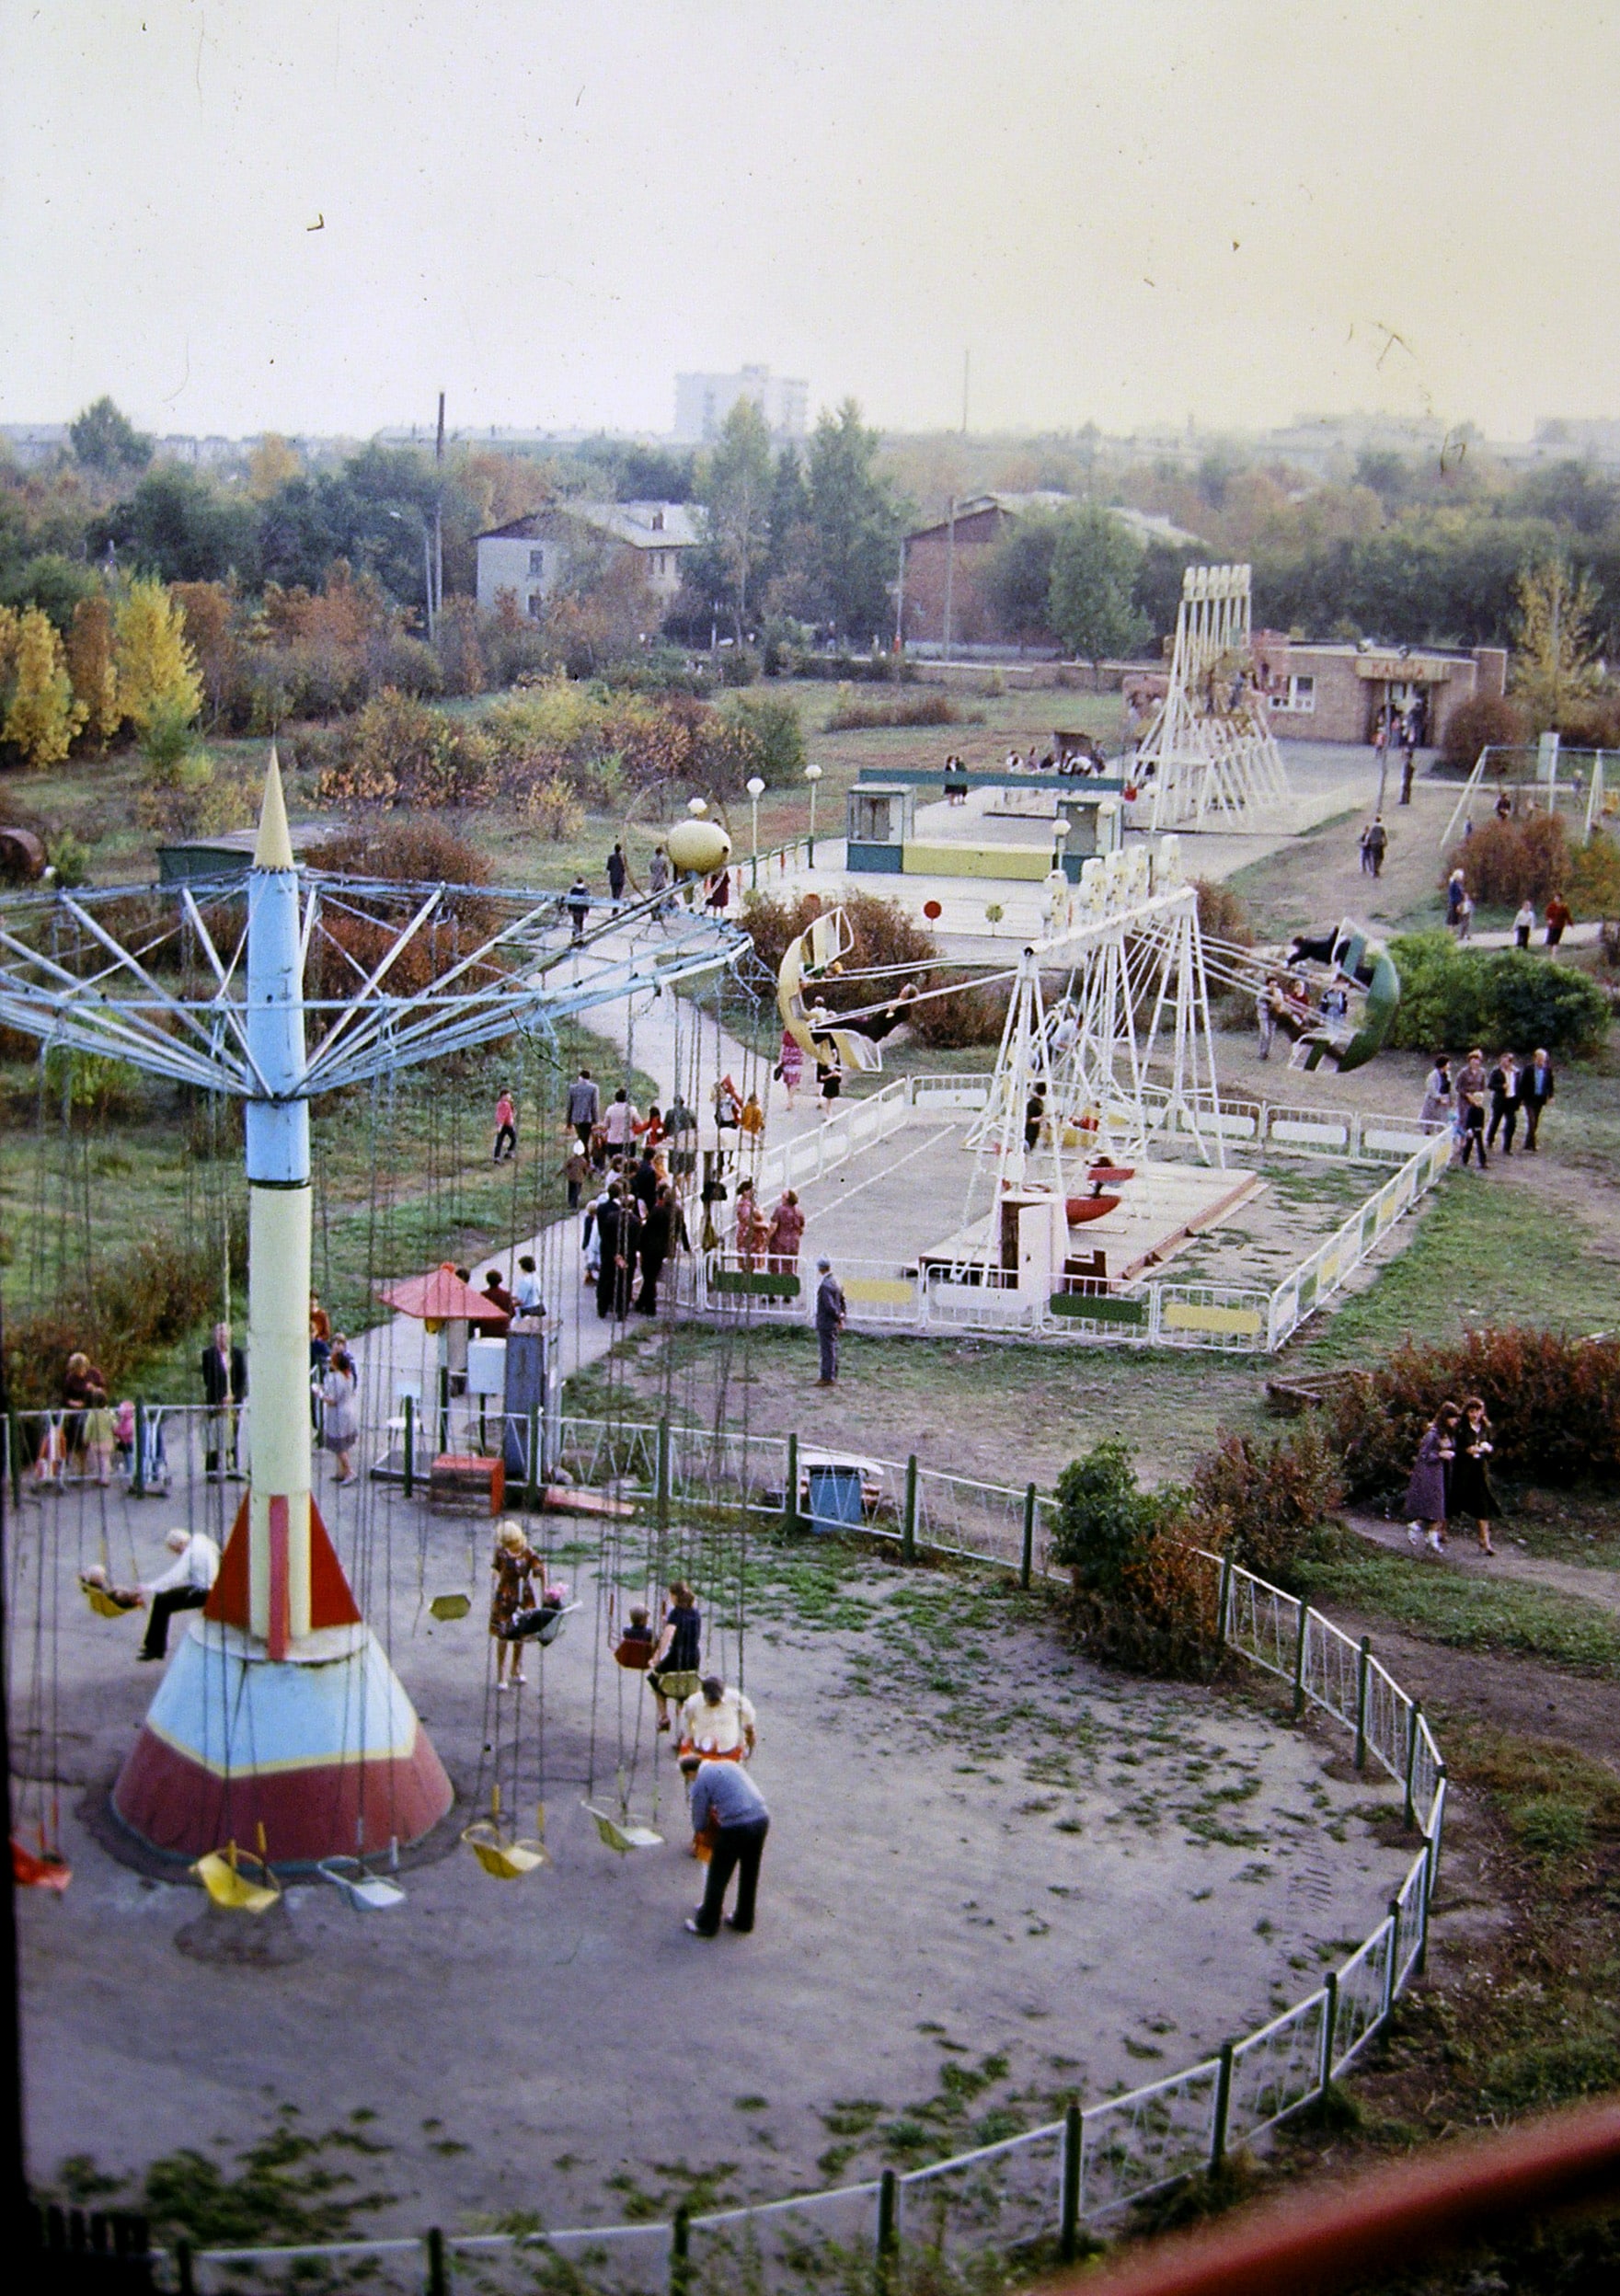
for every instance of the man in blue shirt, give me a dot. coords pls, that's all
(728, 1806)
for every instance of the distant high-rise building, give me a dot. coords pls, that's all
(703, 402)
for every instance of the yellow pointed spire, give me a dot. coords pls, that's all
(274, 848)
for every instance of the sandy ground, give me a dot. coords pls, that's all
(981, 1849)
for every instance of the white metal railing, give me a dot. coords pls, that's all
(1049, 2182)
(1234, 1318)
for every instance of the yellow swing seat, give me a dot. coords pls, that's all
(507, 1860)
(221, 1875)
(105, 1604)
(622, 1834)
(448, 1606)
(498, 1852)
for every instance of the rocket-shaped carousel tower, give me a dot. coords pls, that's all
(280, 1718)
(280, 1709)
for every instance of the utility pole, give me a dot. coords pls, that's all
(437, 607)
(900, 602)
(949, 571)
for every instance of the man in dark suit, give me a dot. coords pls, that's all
(1536, 1085)
(225, 1390)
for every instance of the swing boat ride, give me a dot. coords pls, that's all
(279, 1719)
(1101, 1139)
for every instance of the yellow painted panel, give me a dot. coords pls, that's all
(1028, 863)
(1179, 1315)
(879, 1291)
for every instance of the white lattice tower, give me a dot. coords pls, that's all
(1210, 747)
(1127, 1054)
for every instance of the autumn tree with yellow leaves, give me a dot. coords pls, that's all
(39, 712)
(157, 669)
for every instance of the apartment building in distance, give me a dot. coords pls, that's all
(703, 402)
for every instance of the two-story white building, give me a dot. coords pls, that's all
(531, 555)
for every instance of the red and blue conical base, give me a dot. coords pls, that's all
(322, 1749)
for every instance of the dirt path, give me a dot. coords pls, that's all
(1592, 1584)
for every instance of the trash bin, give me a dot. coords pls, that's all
(835, 1498)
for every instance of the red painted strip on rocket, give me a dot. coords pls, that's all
(281, 1592)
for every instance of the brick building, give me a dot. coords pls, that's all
(1336, 693)
(961, 548)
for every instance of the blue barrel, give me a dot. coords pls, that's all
(835, 1498)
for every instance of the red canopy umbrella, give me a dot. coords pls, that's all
(441, 1298)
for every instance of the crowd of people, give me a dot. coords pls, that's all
(1484, 1105)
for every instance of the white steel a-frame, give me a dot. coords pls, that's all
(1122, 1058)
(1209, 757)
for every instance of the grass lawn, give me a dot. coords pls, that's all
(1467, 1613)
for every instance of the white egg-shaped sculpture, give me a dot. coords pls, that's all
(699, 848)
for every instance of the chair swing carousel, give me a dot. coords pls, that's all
(280, 1719)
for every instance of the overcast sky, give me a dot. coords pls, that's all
(1130, 211)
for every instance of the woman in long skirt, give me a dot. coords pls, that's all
(791, 1067)
(1471, 1494)
(1426, 1505)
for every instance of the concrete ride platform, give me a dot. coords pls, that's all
(1159, 1210)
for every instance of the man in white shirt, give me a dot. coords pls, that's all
(716, 1725)
(622, 1114)
(527, 1287)
(184, 1586)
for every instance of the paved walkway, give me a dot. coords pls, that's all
(654, 1032)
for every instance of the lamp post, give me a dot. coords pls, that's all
(812, 773)
(756, 790)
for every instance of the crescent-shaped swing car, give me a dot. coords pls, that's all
(821, 948)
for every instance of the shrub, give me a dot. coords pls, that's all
(1487, 722)
(1537, 1002)
(849, 716)
(1459, 997)
(1443, 994)
(1260, 1502)
(774, 726)
(1140, 1595)
(1222, 915)
(739, 666)
(1554, 1402)
(1594, 876)
(1510, 861)
(554, 810)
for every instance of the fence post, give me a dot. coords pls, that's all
(680, 2252)
(138, 1479)
(1069, 2220)
(1393, 1958)
(13, 1460)
(888, 2230)
(1428, 1884)
(1330, 2031)
(790, 1488)
(409, 1446)
(185, 2278)
(531, 1496)
(662, 1487)
(1363, 1664)
(1223, 2110)
(1223, 1602)
(908, 1520)
(1026, 1560)
(1414, 1714)
(1299, 1660)
(438, 2277)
